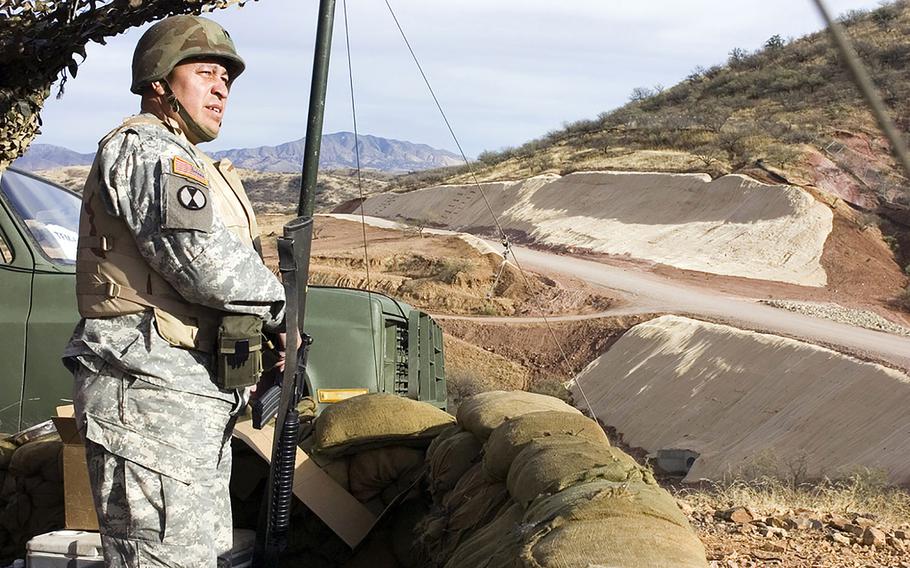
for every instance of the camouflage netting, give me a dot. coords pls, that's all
(521, 480)
(31, 493)
(43, 40)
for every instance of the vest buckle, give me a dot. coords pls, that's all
(112, 290)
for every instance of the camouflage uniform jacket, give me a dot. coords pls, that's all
(210, 267)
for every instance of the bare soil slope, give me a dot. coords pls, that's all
(733, 225)
(736, 396)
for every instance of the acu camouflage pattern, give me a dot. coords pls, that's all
(157, 427)
(174, 39)
(157, 510)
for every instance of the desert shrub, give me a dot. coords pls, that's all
(450, 268)
(641, 93)
(903, 299)
(775, 43)
(885, 16)
(552, 388)
(852, 17)
(894, 56)
(462, 384)
(861, 491)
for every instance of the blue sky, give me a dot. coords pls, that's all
(505, 71)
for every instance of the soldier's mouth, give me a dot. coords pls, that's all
(215, 109)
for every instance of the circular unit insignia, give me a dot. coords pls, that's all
(191, 198)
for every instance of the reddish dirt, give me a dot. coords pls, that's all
(534, 347)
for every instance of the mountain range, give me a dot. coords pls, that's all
(337, 152)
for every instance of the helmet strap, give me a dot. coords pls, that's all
(199, 132)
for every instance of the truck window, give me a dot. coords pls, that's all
(6, 254)
(49, 213)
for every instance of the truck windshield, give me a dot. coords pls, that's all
(50, 214)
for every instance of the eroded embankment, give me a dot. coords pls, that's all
(732, 225)
(750, 402)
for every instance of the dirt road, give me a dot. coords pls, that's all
(647, 292)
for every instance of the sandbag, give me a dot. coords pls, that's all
(41, 457)
(372, 471)
(510, 437)
(443, 435)
(483, 412)
(376, 420)
(473, 502)
(473, 479)
(603, 523)
(339, 470)
(450, 459)
(7, 449)
(496, 545)
(549, 465)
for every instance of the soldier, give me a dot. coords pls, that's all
(173, 296)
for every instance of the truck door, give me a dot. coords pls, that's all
(16, 271)
(47, 218)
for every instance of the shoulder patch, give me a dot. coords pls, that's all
(185, 169)
(185, 205)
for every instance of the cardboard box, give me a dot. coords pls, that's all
(337, 508)
(77, 493)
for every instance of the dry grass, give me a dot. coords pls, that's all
(865, 492)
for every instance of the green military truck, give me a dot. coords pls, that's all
(364, 341)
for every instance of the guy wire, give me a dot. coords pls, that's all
(363, 222)
(502, 233)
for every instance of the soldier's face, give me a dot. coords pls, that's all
(201, 86)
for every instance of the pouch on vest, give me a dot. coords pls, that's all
(239, 351)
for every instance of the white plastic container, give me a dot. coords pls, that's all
(82, 549)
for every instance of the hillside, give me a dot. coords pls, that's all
(789, 108)
(787, 114)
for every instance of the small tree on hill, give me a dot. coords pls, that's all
(641, 93)
(775, 43)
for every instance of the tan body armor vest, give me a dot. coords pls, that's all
(112, 277)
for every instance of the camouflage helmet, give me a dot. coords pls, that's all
(174, 39)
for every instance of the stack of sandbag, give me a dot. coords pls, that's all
(374, 446)
(525, 480)
(31, 493)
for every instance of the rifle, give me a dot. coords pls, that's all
(294, 265)
(293, 262)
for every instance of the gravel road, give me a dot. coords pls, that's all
(646, 292)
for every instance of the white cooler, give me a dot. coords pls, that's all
(82, 549)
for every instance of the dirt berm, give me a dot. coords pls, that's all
(732, 225)
(750, 403)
